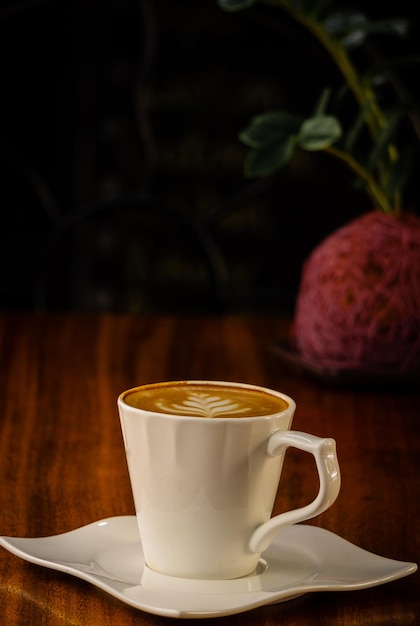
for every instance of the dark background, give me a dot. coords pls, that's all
(122, 186)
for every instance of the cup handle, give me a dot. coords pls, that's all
(324, 452)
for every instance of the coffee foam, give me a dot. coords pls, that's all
(205, 400)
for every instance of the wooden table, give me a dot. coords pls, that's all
(63, 465)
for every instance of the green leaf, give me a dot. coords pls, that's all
(235, 5)
(346, 26)
(398, 27)
(268, 158)
(319, 132)
(274, 126)
(352, 27)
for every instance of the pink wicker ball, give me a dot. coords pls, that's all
(358, 306)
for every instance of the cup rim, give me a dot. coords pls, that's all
(222, 383)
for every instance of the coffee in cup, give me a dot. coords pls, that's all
(205, 400)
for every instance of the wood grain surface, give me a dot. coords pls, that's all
(63, 465)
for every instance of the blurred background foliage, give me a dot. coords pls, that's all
(121, 170)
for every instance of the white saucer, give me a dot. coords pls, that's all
(301, 559)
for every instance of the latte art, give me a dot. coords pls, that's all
(203, 405)
(208, 400)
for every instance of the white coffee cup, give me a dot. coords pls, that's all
(205, 459)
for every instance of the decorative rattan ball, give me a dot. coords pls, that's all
(358, 305)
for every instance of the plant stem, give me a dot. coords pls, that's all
(375, 192)
(364, 95)
(362, 91)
